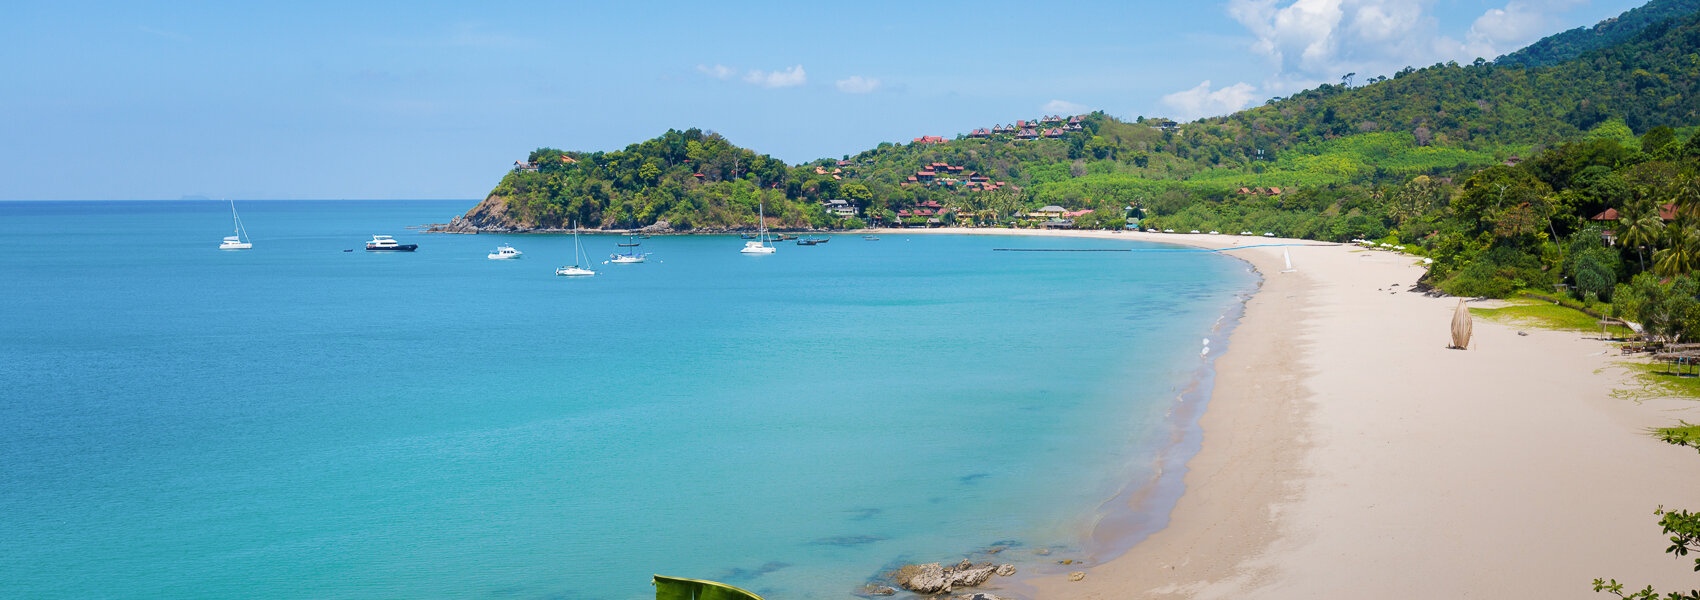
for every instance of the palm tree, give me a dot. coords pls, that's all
(1682, 253)
(1688, 196)
(1639, 226)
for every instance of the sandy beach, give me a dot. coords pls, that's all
(1347, 451)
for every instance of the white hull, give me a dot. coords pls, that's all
(757, 249)
(626, 260)
(235, 246)
(574, 272)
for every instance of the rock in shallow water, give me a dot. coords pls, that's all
(933, 578)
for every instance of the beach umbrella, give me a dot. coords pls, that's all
(1461, 326)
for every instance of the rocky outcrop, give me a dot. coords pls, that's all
(933, 578)
(490, 216)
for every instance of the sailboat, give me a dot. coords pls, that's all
(760, 245)
(628, 257)
(238, 241)
(578, 255)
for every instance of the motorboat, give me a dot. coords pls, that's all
(384, 243)
(505, 253)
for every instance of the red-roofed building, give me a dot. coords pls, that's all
(1667, 212)
(1027, 134)
(929, 139)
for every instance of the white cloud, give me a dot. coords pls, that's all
(856, 84)
(793, 76)
(163, 33)
(1521, 22)
(1314, 41)
(718, 71)
(1063, 107)
(1201, 101)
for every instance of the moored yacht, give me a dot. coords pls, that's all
(760, 245)
(505, 252)
(578, 255)
(384, 243)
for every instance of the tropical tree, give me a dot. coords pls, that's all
(1639, 226)
(1681, 253)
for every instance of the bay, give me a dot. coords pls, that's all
(296, 421)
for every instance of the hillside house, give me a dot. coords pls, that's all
(929, 139)
(839, 208)
(524, 166)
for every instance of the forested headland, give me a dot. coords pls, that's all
(1495, 169)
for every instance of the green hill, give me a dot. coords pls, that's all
(1561, 47)
(1390, 158)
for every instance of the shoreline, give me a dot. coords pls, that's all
(1346, 451)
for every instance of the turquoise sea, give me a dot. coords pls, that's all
(295, 421)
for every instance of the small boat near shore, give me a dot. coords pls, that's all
(871, 238)
(384, 243)
(759, 245)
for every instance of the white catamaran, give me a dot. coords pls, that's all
(759, 245)
(240, 241)
(576, 270)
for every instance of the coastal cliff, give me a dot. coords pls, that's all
(490, 216)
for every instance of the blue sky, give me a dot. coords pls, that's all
(437, 99)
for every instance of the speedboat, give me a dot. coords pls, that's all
(505, 252)
(384, 243)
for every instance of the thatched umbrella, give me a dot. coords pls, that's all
(1461, 327)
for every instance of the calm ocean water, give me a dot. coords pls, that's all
(294, 421)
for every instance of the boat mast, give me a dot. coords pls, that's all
(240, 231)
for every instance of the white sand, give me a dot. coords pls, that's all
(1348, 452)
